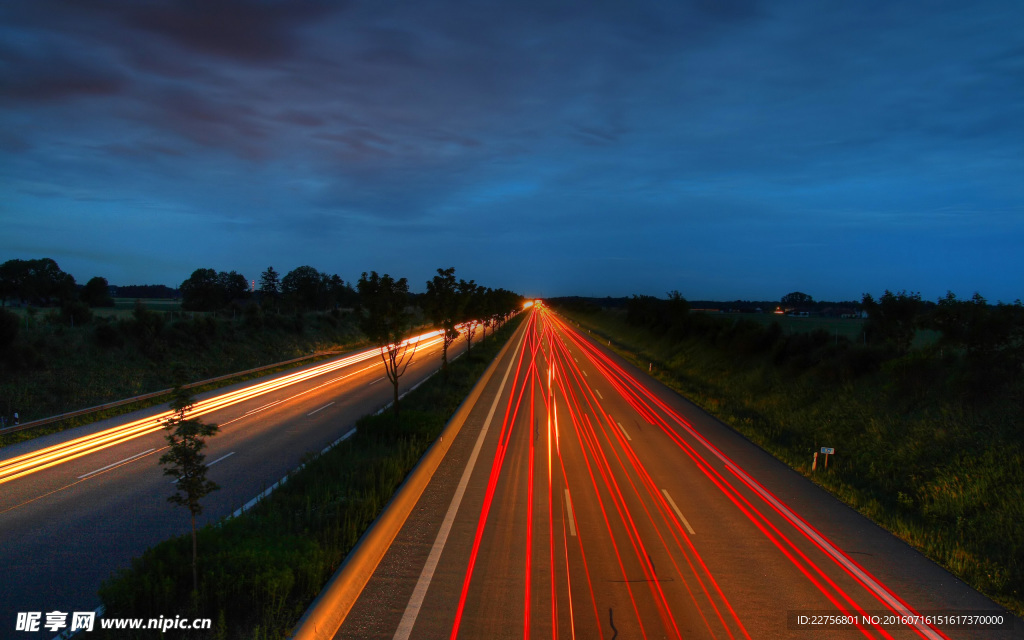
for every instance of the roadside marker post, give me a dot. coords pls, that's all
(827, 451)
(814, 465)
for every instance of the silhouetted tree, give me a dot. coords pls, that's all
(469, 293)
(796, 299)
(96, 293)
(202, 291)
(443, 306)
(184, 461)
(385, 320)
(893, 318)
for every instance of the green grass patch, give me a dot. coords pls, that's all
(938, 466)
(260, 571)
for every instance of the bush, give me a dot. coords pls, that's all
(9, 326)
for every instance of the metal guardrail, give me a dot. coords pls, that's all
(155, 394)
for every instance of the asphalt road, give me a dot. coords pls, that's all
(599, 504)
(66, 527)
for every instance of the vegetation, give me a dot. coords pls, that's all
(49, 367)
(386, 322)
(928, 440)
(262, 569)
(186, 463)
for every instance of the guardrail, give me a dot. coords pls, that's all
(327, 613)
(154, 394)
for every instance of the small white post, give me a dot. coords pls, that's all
(814, 465)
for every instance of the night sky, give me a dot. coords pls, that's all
(727, 149)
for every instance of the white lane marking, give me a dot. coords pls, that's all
(574, 358)
(211, 464)
(376, 381)
(623, 430)
(412, 610)
(320, 409)
(598, 394)
(572, 516)
(584, 372)
(114, 464)
(679, 513)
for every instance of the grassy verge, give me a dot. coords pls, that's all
(943, 472)
(261, 570)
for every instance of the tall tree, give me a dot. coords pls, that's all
(469, 294)
(306, 287)
(185, 461)
(385, 320)
(96, 293)
(893, 318)
(233, 285)
(202, 291)
(443, 307)
(270, 286)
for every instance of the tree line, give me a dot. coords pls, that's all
(986, 340)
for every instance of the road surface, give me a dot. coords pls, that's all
(582, 499)
(70, 519)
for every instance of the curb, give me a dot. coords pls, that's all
(327, 613)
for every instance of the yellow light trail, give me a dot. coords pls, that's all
(47, 457)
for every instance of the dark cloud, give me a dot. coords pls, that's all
(668, 135)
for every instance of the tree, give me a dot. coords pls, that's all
(35, 281)
(233, 286)
(96, 293)
(185, 462)
(893, 318)
(469, 293)
(202, 291)
(385, 320)
(796, 299)
(443, 306)
(306, 287)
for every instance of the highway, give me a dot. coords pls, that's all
(582, 499)
(77, 505)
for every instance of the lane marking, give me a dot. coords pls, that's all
(320, 409)
(598, 392)
(114, 464)
(210, 464)
(376, 381)
(584, 372)
(623, 429)
(419, 593)
(679, 513)
(572, 516)
(221, 458)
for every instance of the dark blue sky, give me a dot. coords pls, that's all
(728, 149)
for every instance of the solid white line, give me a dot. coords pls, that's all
(114, 464)
(572, 516)
(210, 465)
(412, 610)
(375, 381)
(221, 458)
(320, 409)
(624, 431)
(678, 512)
(598, 394)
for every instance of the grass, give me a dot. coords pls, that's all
(260, 571)
(942, 470)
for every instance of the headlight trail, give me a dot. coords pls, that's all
(47, 457)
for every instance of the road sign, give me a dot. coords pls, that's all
(827, 450)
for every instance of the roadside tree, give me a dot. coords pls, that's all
(185, 462)
(443, 306)
(385, 320)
